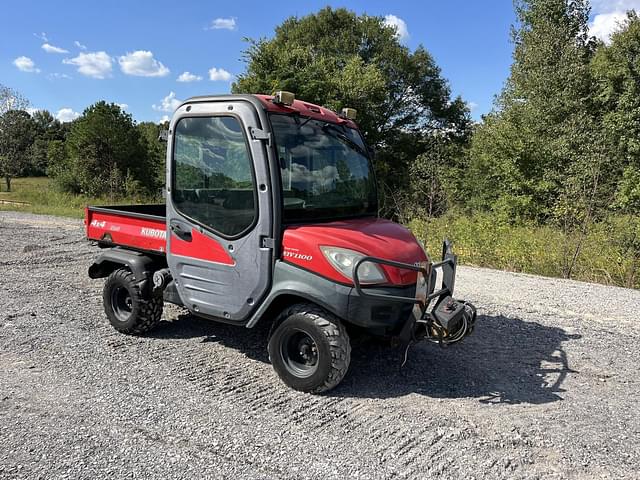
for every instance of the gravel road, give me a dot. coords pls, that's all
(547, 387)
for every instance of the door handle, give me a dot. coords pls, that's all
(181, 233)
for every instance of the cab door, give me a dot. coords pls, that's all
(219, 210)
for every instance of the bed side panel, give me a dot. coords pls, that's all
(115, 228)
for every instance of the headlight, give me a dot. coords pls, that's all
(343, 260)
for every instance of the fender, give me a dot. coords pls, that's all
(293, 281)
(142, 266)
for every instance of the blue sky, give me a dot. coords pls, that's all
(64, 56)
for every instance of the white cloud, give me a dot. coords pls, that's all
(25, 64)
(219, 74)
(609, 15)
(79, 45)
(189, 77)
(168, 104)
(123, 106)
(399, 24)
(165, 118)
(223, 24)
(42, 36)
(47, 47)
(32, 110)
(58, 76)
(605, 24)
(92, 64)
(472, 106)
(604, 6)
(67, 115)
(142, 64)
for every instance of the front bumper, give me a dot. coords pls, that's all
(378, 315)
(433, 313)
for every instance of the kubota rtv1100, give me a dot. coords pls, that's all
(271, 215)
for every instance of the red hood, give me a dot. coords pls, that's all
(370, 236)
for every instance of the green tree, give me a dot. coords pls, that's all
(104, 154)
(339, 59)
(11, 99)
(435, 180)
(542, 155)
(17, 131)
(616, 68)
(47, 129)
(57, 166)
(156, 150)
(541, 131)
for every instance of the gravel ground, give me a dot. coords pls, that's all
(547, 387)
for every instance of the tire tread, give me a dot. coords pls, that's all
(336, 334)
(150, 311)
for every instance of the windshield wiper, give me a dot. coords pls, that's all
(338, 134)
(296, 116)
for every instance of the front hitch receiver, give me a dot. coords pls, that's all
(436, 315)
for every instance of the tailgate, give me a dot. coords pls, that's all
(127, 229)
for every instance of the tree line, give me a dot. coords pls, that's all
(102, 153)
(560, 147)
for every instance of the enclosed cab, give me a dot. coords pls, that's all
(271, 215)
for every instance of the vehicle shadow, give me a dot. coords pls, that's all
(506, 360)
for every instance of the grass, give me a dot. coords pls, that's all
(41, 196)
(610, 252)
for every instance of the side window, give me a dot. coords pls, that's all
(212, 179)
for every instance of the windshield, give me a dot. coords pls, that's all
(324, 168)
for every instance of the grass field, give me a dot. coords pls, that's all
(39, 195)
(609, 253)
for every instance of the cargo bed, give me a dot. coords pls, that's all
(139, 227)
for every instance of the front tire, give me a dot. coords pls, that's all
(128, 309)
(309, 349)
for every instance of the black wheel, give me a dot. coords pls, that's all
(309, 349)
(128, 310)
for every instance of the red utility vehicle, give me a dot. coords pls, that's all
(271, 215)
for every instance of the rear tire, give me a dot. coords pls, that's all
(128, 309)
(309, 349)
